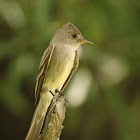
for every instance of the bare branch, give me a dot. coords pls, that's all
(54, 119)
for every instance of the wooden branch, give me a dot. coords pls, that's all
(54, 119)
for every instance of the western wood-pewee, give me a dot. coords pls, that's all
(59, 62)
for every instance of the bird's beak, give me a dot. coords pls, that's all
(85, 42)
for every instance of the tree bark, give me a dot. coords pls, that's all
(54, 119)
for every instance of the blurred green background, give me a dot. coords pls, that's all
(104, 93)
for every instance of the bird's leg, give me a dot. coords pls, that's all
(52, 93)
(60, 93)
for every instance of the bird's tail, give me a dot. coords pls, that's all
(39, 116)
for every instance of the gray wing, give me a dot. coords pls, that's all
(75, 66)
(42, 71)
(37, 120)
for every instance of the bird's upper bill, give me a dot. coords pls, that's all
(85, 42)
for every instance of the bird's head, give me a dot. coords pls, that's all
(70, 35)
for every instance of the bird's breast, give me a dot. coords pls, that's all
(60, 66)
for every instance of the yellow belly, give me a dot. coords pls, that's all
(58, 71)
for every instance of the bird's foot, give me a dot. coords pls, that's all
(60, 93)
(52, 93)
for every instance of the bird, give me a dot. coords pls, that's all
(59, 62)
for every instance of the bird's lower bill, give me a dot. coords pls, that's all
(86, 42)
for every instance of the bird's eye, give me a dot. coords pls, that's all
(74, 35)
